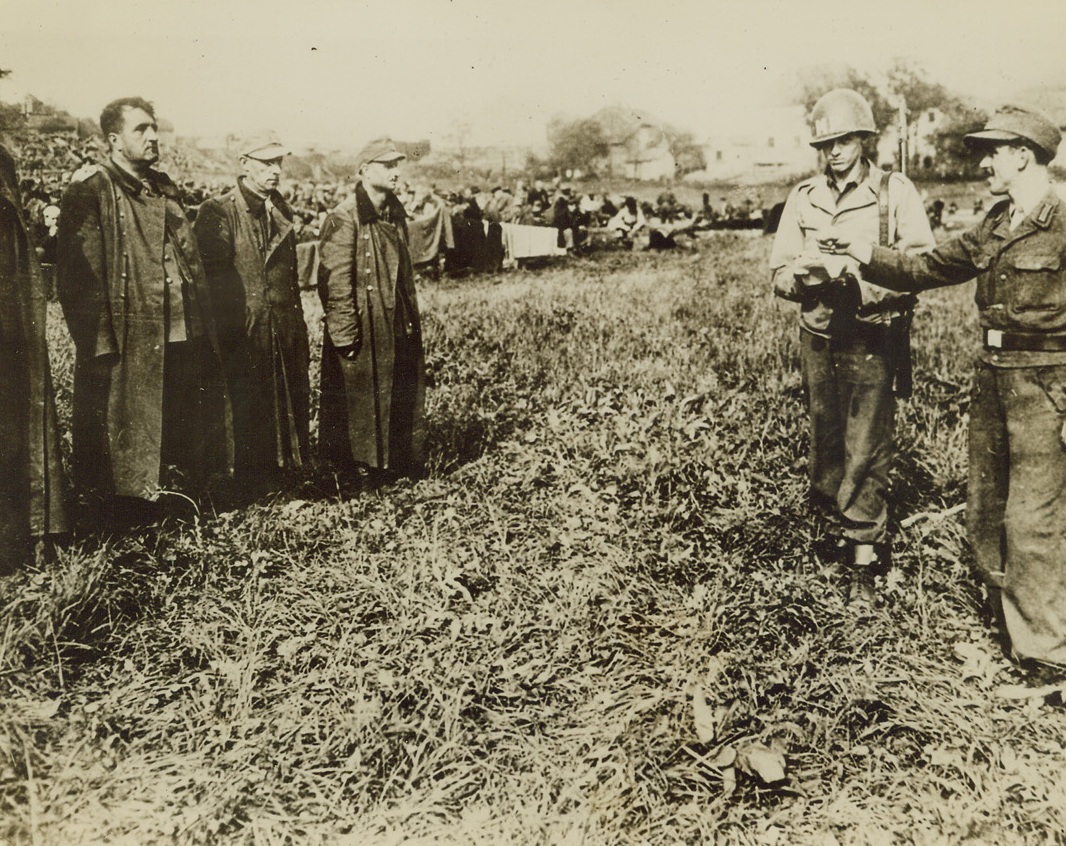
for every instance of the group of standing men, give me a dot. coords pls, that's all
(853, 248)
(191, 348)
(192, 351)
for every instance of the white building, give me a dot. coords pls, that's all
(761, 145)
(637, 146)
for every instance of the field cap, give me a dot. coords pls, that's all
(264, 146)
(1013, 123)
(378, 150)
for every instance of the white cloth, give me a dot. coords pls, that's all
(520, 241)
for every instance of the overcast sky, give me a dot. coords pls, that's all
(338, 72)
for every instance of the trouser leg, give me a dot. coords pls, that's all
(868, 408)
(852, 415)
(986, 492)
(1034, 588)
(187, 433)
(826, 442)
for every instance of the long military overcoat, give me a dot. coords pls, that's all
(111, 282)
(33, 487)
(261, 328)
(373, 364)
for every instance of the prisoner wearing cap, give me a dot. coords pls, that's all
(378, 150)
(264, 146)
(1011, 124)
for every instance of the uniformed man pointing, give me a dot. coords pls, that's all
(1016, 497)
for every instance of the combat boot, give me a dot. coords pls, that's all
(864, 567)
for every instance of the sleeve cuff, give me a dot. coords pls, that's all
(866, 251)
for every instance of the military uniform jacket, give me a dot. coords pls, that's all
(813, 207)
(1021, 274)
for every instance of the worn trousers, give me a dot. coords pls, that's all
(1016, 501)
(852, 418)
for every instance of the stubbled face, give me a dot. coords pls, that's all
(382, 176)
(262, 176)
(842, 153)
(138, 141)
(1001, 165)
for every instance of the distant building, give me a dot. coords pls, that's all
(759, 146)
(637, 146)
(41, 117)
(921, 133)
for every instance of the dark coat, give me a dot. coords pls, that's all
(32, 484)
(112, 284)
(373, 366)
(261, 328)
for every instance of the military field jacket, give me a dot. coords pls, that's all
(1021, 274)
(813, 207)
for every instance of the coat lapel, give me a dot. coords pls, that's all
(280, 227)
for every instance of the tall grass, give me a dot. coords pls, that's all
(597, 620)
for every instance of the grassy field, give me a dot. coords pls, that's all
(597, 620)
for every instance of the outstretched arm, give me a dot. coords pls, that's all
(952, 263)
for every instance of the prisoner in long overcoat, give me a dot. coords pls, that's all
(150, 412)
(248, 248)
(373, 366)
(32, 484)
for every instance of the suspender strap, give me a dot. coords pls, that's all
(882, 207)
(901, 326)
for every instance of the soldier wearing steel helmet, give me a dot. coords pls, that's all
(1016, 496)
(848, 344)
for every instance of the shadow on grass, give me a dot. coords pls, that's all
(462, 436)
(62, 618)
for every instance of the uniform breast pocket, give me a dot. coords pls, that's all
(1037, 282)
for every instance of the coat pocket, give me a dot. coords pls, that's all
(1036, 282)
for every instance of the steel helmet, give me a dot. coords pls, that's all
(840, 112)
